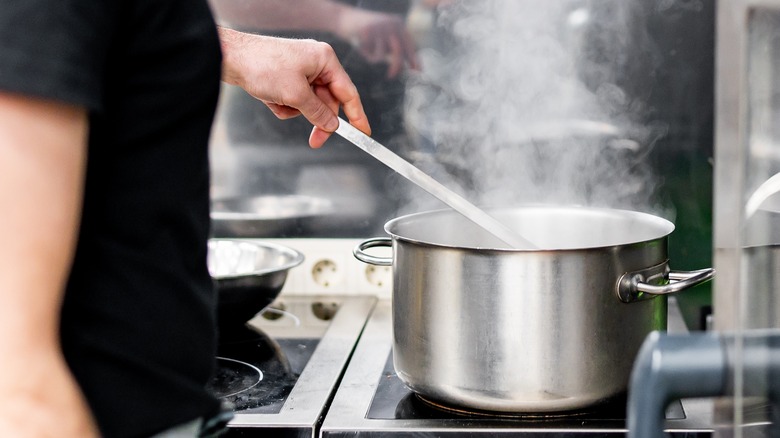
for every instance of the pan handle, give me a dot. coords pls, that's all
(360, 254)
(650, 282)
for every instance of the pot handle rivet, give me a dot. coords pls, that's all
(360, 254)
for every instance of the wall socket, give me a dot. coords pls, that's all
(330, 268)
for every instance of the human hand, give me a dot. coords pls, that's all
(379, 37)
(293, 77)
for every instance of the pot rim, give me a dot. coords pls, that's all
(665, 227)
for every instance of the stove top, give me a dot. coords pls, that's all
(255, 374)
(371, 401)
(322, 367)
(280, 373)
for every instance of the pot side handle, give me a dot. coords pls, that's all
(360, 254)
(648, 283)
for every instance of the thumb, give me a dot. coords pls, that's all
(318, 113)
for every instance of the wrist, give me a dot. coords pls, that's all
(230, 43)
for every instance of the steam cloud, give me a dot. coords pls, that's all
(525, 101)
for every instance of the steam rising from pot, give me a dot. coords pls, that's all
(522, 101)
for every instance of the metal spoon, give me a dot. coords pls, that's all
(430, 185)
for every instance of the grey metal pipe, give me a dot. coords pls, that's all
(673, 366)
(669, 367)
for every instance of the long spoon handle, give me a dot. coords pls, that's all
(430, 185)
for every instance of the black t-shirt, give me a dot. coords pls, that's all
(138, 320)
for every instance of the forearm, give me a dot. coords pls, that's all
(270, 15)
(41, 176)
(43, 150)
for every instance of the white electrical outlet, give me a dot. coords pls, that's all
(327, 273)
(378, 276)
(330, 268)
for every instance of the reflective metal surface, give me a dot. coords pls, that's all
(266, 216)
(360, 406)
(551, 227)
(338, 332)
(522, 331)
(248, 275)
(747, 165)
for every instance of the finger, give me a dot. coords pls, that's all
(317, 112)
(319, 136)
(369, 45)
(410, 51)
(377, 48)
(282, 112)
(345, 92)
(396, 56)
(324, 94)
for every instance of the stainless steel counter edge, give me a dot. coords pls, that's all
(306, 402)
(347, 413)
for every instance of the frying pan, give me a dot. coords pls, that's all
(248, 275)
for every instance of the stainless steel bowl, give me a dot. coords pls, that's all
(248, 276)
(266, 216)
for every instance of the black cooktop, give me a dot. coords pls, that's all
(255, 373)
(278, 373)
(394, 400)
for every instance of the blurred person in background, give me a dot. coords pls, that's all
(107, 313)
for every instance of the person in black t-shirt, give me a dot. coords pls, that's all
(107, 314)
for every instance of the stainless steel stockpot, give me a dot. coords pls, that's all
(544, 330)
